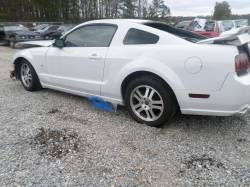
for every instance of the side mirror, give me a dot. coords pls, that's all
(58, 43)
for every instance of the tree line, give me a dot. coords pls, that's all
(79, 10)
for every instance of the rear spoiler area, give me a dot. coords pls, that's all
(237, 37)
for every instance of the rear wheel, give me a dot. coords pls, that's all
(29, 77)
(150, 101)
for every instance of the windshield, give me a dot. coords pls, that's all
(209, 26)
(186, 35)
(39, 27)
(14, 28)
(52, 28)
(197, 25)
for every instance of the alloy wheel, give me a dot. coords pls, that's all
(147, 103)
(26, 75)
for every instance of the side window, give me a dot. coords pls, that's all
(91, 36)
(135, 37)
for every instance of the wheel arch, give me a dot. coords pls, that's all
(17, 62)
(136, 74)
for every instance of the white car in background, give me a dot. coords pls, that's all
(152, 68)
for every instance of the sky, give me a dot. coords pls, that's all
(204, 7)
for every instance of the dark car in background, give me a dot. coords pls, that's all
(12, 34)
(39, 27)
(211, 29)
(60, 31)
(44, 33)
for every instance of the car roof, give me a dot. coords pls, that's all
(118, 21)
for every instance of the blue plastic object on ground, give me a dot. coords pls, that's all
(101, 104)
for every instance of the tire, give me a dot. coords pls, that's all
(157, 108)
(28, 76)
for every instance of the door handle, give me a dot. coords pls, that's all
(95, 57)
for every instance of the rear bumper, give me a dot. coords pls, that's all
(232, 99)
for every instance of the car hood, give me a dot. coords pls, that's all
(31, 44)
(30, 33)
(42, 43)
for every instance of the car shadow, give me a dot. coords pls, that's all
(207, 124)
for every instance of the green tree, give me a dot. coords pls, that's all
(158, 9)
(128, 9)
(79, 10)
(222, 11)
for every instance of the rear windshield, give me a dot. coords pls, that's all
(187, 35)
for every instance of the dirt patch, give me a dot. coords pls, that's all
(241, 140)
(55, 143)
(54, 111)
(203, 162)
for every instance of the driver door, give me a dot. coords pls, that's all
(78, 66)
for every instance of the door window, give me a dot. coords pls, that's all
(91, 36)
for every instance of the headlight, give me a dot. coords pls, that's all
(22, 37)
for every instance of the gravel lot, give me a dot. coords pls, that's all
(50, 138)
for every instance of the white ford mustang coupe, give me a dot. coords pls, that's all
(151, 68)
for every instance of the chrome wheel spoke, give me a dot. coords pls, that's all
(140, 110)
(157, 107)
(29, 76)
(137, 97)
(139, 94)
(152, 113)
(137, 106)
(147, 92)
(148, 115)
(151, 94)
(157, 102)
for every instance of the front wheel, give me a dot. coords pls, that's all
(150, 101)
(28, 76)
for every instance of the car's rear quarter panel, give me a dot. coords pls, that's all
(168, 62)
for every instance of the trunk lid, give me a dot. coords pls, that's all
(238, 37)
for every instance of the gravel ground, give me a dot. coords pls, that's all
(50, 138)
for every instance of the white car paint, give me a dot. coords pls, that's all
(187, 68)
(42, 43)
(236, 31)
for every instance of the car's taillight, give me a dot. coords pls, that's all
(241, 64)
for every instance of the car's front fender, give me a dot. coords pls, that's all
(35, 56)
